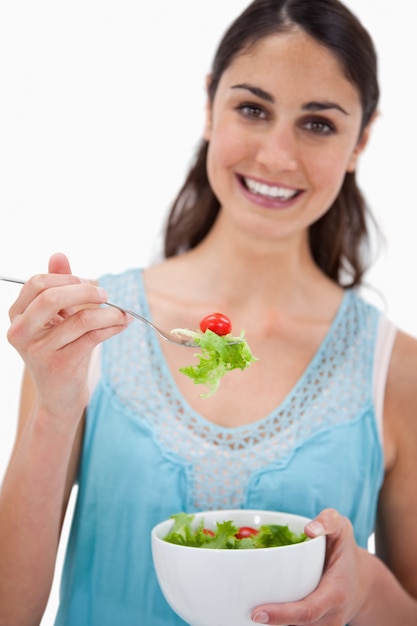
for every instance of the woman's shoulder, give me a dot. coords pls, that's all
(400, 405)
(403, 368)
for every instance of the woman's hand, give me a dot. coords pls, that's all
(341, 591)
(55, 323)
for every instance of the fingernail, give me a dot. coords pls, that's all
(261, 618)
(102, 292)
(316, 528)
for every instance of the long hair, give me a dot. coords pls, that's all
(340, 239)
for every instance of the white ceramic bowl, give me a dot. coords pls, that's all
(207, 587)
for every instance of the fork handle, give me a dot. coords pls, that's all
(19, 281)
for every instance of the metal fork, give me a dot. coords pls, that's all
(172, 338)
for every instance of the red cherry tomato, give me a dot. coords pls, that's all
(246, 531)
(209, 532)
(217, 323)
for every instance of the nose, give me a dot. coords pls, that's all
(278, 148)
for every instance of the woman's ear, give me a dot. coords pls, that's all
(207, 125)
(361, 145)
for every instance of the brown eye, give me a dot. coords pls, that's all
(253, 111)
(319, 127)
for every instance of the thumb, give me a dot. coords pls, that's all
(59, 264)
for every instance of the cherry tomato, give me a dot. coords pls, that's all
(246, 531)
(209, 532)
(217, 323)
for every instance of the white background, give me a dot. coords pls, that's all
(101, 107)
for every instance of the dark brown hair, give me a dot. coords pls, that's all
(340, 239)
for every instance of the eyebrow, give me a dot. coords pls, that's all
(325, 105)
(257, 91)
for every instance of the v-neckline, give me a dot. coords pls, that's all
(280, 407)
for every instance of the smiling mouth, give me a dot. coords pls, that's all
(269, 191)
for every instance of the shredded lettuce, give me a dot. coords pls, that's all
(219, 354)
(224, 537)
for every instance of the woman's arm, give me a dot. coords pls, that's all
(358, 588)
(55, 324)
(392, 575)
(33, 500)
(395, 536)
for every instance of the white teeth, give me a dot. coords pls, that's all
(262, 189)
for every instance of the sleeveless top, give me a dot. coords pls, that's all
(147, 455)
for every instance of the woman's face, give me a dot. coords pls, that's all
(283, 130)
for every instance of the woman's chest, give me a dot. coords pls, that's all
(249, 395)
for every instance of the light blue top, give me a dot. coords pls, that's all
(147, 454)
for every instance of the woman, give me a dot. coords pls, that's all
(271, 229)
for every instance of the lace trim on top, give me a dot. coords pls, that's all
(335, 388)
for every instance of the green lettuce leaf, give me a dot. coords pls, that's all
(219, 355)
(274, 535)
(224, 537)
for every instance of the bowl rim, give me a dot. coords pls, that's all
(230, 512)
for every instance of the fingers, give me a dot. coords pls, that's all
(48, 301)
(56, 322)
(35, 286)
(66, 305)
(302, 613)
(330, 602)
(59, 274)
(316, 608)
(87, 327)
(328, 522)
(59, 264)
(45, 295)
(61, 300)
(54, 328)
